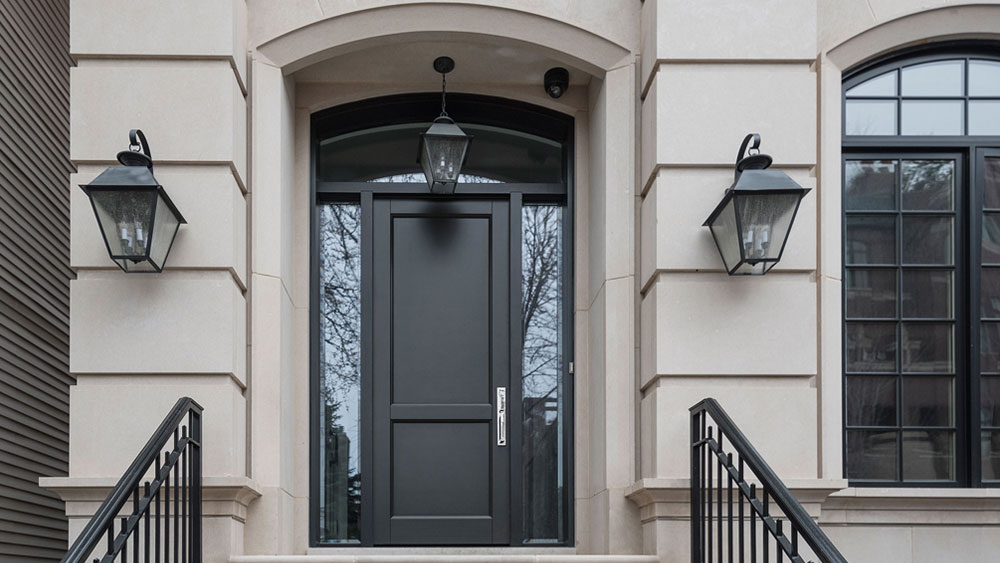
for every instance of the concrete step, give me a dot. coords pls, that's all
(458, 556)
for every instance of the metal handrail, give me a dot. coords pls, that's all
(102, 524)
(772, 489)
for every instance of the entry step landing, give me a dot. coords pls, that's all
(414, 556)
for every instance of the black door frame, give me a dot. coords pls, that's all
(483, 110)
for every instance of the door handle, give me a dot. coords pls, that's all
(501, 416)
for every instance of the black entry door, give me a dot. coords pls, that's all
(441, 347)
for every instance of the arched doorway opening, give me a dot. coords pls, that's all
(441, 328)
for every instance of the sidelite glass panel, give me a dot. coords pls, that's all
(339, 372)
(542, 379)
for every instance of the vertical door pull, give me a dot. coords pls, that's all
(501, 416)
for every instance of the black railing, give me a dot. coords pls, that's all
(720, 533)
(164, 473)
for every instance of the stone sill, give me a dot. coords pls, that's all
(433, 550)
(918, 493)
(447, 555)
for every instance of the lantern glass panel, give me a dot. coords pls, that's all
(443, 157)
(726, 235)
(125, 217)
(165, 225)
(765, 220)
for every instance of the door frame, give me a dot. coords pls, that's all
(483, 110)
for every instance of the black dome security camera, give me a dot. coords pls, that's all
(556, 81)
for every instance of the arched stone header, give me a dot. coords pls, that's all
(346, 33)
(975, 21)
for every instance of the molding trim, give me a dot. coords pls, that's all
(221, 496)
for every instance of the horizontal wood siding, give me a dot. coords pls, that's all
(34, 275)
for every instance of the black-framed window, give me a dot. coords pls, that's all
(920, 131)
(366, 151)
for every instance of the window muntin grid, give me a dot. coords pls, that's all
(900, 338)
(951, 97)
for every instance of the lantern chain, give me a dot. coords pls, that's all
(444, 113)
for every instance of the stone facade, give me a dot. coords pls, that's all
(662, 92)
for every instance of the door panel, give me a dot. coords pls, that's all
(441, 329)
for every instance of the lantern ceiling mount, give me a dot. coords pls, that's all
(444, 146)
(750, 225)
(136, 216)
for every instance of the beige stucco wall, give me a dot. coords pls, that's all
(662, 92)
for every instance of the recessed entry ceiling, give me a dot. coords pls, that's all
(410, 63)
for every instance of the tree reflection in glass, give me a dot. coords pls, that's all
(542, 372)
(340, 372)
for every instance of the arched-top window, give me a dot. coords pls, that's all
(921, 259)
(925, 97)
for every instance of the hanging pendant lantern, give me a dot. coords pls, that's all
(443, 147)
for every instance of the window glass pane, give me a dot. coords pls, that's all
(932, 117)
(927, 240)
(941, 78)
(991, 238)
(870, 185)
(989, 292)
(542, 372)
(340, 372)
(991, 183)
(990, 445)
(870, 347)
(871, 455)
(389, 154)
(928, 455)
(984, 117)
(927, 294)
(881, 85)
(989, 347)
(871, 240)
(928, 401)
(928, 185)
(871, 400)
(928, 347)
(989, 401)
(871, 293)
(984, 78)
(870, 117)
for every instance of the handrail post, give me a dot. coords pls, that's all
(696, 542)
(195, 510)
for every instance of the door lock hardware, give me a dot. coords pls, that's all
(501, 416)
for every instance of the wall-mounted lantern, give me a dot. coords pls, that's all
(751, 223)
(136, 217)
(444, 146)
